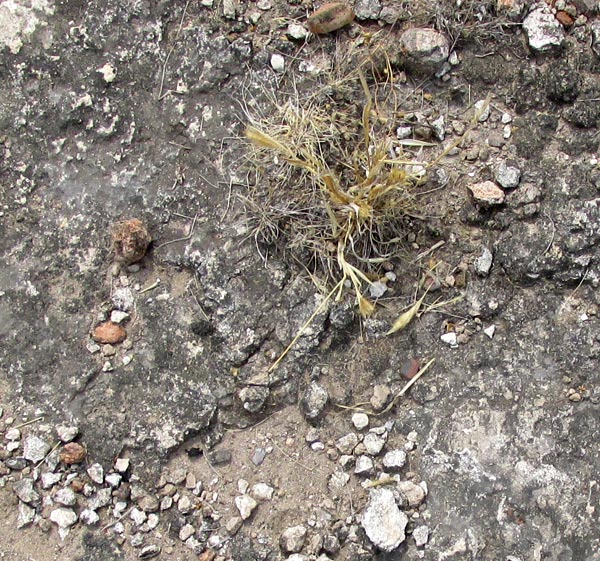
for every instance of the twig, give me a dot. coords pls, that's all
(48, 454)
(553, 234)
(28, 423)
(111, 524)
(185, 238)
(155, 284)
(428, 251)
(179, 145)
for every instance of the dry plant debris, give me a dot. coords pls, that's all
(334, 186)
(130, 240)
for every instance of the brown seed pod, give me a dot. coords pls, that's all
(109, 333)
(130, 240)
(330, 17)
(564, 18)
(72, 453)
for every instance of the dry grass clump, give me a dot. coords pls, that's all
(334, 186)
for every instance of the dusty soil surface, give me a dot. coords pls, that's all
(117, 110)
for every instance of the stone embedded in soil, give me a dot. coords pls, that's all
(380, 397)
(394, 460)
(186, 532)
(13, 435)
(64, 518)
(360, 421)
(66, 433)
(100, 499)
(130, 240)
(297, 31)
(373, 444)
(25, 490)
(413, 492)
(543, 30)
(89, 517)
(277, 62)
(220, 457)
(421, 535)
(364, 466)
(367, 9)
(346, 444)
(330, 17)
(314, 401)
(50, 479)
(65, 496)
(35, 449)
(262, 492)
(292, 539)
(109, 333)
(487, 194)
(233, 525)
(96, 473)
(483, 263)
(25, 515)
(253, 397)
(122, 464)
(383, 521)
(507, 176)
(424, 49)
(245, 505)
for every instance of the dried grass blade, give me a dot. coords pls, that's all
(413, 142)
(407, 316)
(263, 140)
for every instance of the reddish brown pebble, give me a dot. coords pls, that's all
(207, 555)
(109, 333)
(72, 453)
(77, 485)
(487, 194)
(330, 17)
(130, 241)
(410, 368)
(565, 19)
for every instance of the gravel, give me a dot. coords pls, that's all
(383, 521)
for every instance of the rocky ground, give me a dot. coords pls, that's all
(140, 413)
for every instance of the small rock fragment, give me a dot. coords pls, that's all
(138, 516)
(489, 331)
(487, 194)
(109, 73)
(297, 31)
(149, 551)
(184, 505)
(292, 539)
(13, 435)
(253, 397)
(109, 332)
(482, 108)
(96, 473)
(483, 264)
(113, 479)
(100, 499)
(186, 532)
(26, 515)
(148, 503)
(245, 505)
(220, 456)
(337, 480)
(258, 456)
(314, 401)
(89, 517)
(277, 62)
(360, 420)
(130, 240)
(367, 9)
(394, 460)
(373, 444)
(507, 176)
(383, 521)
(450, 339)
(35, 449)
(421, 535)
(122, 465)
(364, 466)
(233, 525)
(330, 17)
(381, 395)
(66, 433)
(544, 32)
(413, 492)
(50, 479)
(425, 49)
(66, 497)
(25, 490)
(262, 492)
(347, 443)
(64, 518)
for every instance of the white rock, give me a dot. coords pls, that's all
(50, 479)
(63, 517)
(26, 515)
(186, 532)
(404, 132)
(394, 460)
(485, 114)
(292, 539)
(377, 289)
(337, 480)
(439, 127)
(483, 264)
(122, 465)
(66, 433)
(118, 316)
(297, 31)
(506, 118)
(96, 473)
(277, 62)
(544, 31)
(364, 465)
(347, 443)
(450, 339)
(425, 49)
(113, 479)
(246, 505)
(243, 486)
(262, 492)
(35, 449)
(89, 517)
(373, 443)
(66, 497)
(413, 492)
(383, 521)
(138, 516)
(184, 505)
(153, 520)
(489, 331)
(25, 490)
(13, 435)
(421, 535)
(360, 420)
(507, 176)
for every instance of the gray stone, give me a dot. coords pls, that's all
(507, 176)
(364, 466)
(425, 50)
(13, 435)
(66, 433)
(394, 460)
(367, 9)
(149, 551)
(195, 545)
(233, 525)
(297, 31)
(49, 479)
(360, 420)
(26, 515)
(381, 395)
(177, 476)
(184, 505)
(96, 473)
(186, 532)
(35, 449)
(544, 32)
(413, 492)
(100, 499)
(63, 517)
(483, 263)
(337, 480)
(148, 503)
(373, 444)
(220, 457)
(314, 401)
(258, 456)
(253, 397)
(262, 492)
(138, 516)
(123, 299)
(421, 535)
(113, 479)
(65, 496)
(347, 443)
(166, 503)
(137, 540)
(383, 521)
(331, 544)
(153, 520)
(292, 539)
(89, 517)
(595, 28)
(25, 491)
(245, 505)
(16, 464)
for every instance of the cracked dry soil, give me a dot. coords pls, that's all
(134, 109)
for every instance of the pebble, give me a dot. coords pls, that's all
(489, 331)
(137, 540)
(383, 521)
(439, 128)
(425, 49)
(487, 194)
(413, 492)
(507, 176)
(66, 433)
(123, 299)
(25, 490)
(483, 263)
(364, 466)
(100, 499)
(50, 479)
(314, 401)
(367, 9)
(421, 535)
(153, 520)
(243, 486)
(380, 397)
(347, 443)
(220, 457)
(148, 503)
(89, 517)
(64, 518)
(149, 551)
(25, 515)
(337, 480)
(13, 435)
(450, 339)
(317, 446)
(233, 525)
(122, 465)
(113, 479)
(35, 449)
(377, 289)
(166, 503)
(258, 456)
(177, 476)
(96, 473)
(186, 532)
(190, 481)
(130, 240)
(312, 435)
(184, 505)
(109, 332)
(245, 505)
(404, 132)
(485, 114)
(17, 464)
(297, 31)
(292, 539)
(253, 397)
(262, 492)
(360, 420)
(138, 516)
(118, 316)
(394, 460)
(330, 17)
(373, 444)
(72, 453)
(544, 32)
(66, 497)
(277, 62)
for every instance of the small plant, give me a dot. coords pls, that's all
(334, 186)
